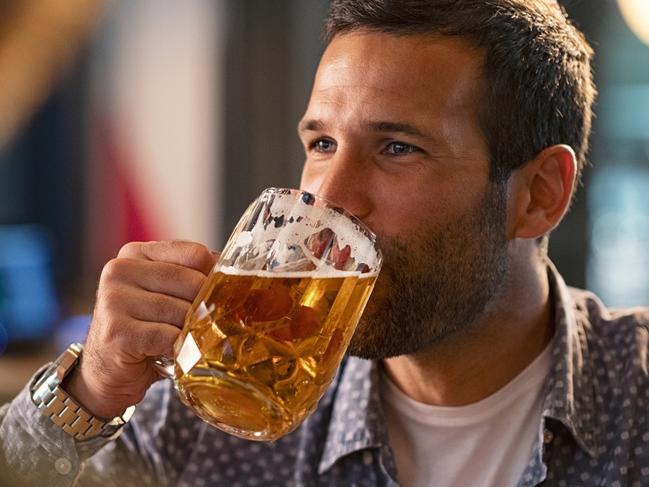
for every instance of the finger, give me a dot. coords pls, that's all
(160, 277)
(172, 279)
(149, 339)
(187, 254)
(143, 305)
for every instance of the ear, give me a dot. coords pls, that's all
(541, 191)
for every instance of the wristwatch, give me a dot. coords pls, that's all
(65, 411)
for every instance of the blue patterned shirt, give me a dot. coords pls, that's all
(593, 430)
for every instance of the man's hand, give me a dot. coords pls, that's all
(142, 299)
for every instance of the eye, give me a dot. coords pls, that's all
(323, 146)
(400, 148)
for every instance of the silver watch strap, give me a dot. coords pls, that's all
(63, 410)
(70, 416)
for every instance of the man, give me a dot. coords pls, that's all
(457, 131)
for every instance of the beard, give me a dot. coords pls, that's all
(438, 283)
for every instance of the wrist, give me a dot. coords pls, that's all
(64, 410)
(77, 387)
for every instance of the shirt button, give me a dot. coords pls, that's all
(367, 457)
(63, 466)
(547, 437)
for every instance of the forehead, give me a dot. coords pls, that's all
(433, 74)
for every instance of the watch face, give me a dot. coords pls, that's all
(47, 382)
(47, 375)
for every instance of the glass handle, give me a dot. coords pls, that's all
(165, 367)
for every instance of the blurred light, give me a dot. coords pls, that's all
(636, 15)
(39, 40)
(4, 339)
(71, 329)
(28, 303)
(618, 263)
(624, 112)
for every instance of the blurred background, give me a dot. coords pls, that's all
(156, 119)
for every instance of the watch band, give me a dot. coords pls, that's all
(63, 410)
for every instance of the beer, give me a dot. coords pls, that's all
(259, 348)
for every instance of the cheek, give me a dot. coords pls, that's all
(402, 210)
(421, 208)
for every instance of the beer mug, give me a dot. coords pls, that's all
(267, 331)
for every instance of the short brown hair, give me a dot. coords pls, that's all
(539, 84)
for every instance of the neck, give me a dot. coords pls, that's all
(469, 366)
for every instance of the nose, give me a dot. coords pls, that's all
(344, 182)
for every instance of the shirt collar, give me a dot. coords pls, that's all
(571, 393)
(357, 420)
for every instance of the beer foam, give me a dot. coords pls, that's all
(292, 221)
(335, 274)
(319, 217)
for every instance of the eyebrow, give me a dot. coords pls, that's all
(376, 126)
(403, 128)
(309, 125)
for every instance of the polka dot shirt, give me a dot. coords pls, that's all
(594, 430)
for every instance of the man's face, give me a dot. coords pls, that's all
(392, 134)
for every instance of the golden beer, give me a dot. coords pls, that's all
(258, 349)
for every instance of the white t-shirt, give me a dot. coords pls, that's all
(488, 443)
